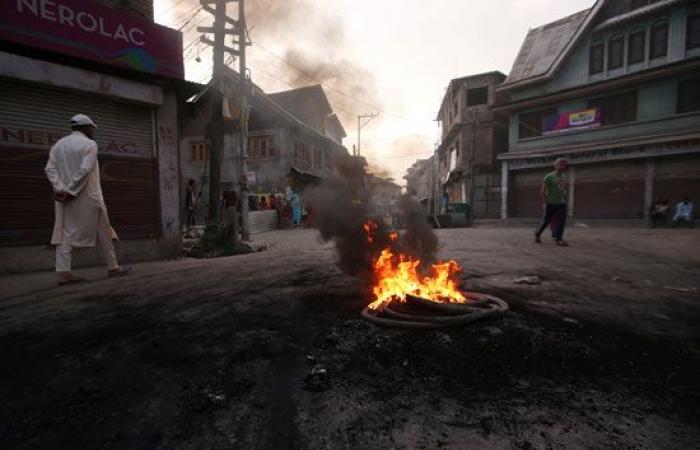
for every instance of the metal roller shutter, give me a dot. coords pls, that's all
(32, 118)
(526, 200)
(43, 113)
(677, 177)
(613, 190)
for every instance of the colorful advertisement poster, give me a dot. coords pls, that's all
(587, 118)
(97, 33)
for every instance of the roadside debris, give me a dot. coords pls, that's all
(531, 279)
(317, 379)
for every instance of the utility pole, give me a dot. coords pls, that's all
(360, 126)
(219, 30)
(243, 132)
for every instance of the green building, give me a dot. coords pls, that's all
(616, 90)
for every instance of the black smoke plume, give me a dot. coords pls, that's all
(342, 208)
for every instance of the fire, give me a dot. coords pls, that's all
(397, 275)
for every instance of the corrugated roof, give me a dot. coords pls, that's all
(542, 47)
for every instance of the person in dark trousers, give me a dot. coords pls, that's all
(659, 212)
(190, 200)
(554, 196)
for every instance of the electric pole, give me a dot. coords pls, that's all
(216, 129)
(360, 126)
(243, 132)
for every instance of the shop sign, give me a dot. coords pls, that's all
(578, 120)
(97, 33)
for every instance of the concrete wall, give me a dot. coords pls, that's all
(42, 257)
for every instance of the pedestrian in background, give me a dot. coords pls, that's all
(684, 212)
(81, 218)
(296, 209)
(554, 196)
(190, 202)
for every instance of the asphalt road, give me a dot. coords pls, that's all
(190, 354)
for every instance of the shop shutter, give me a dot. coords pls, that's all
(32, 118)
(525, 199)
(613, 190)
(678, 177)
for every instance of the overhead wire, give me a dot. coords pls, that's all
(333, 88)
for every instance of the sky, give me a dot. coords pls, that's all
(391, 57)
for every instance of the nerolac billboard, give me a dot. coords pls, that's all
(85, 30)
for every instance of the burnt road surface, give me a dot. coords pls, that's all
(267, 351)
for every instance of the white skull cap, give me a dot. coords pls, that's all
(81, 120)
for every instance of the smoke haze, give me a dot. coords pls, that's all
(341, 208)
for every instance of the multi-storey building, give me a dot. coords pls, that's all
(283, 149)
(472, 136)
(615, 89)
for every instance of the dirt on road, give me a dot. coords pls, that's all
(267, 351)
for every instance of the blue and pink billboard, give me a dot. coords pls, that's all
(84, 30)
(578, 120)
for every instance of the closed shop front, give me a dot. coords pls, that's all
(611, 190)
(32, 118)
(526, 200)
(678, 177)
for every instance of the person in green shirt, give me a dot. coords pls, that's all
(554, 196)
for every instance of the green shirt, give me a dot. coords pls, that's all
(555, 188)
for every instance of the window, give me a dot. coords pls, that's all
(689, 95)
(637, 44)
(477, 96)
(199, 152)
(616, 48)
(658, 42)
(530, 124)
(595, 64)
(261, 147)
(693, 28)
(616, 109)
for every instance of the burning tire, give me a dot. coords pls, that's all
(479, 306)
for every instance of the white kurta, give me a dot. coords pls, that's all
(73, 168)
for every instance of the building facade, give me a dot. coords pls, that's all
(129, 81)
(283, 150)
(472, 137)
(615, 89)
(421, 184)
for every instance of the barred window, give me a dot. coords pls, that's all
(658, 42)
(689, 95)
(531, 124)
(596, 59)
(199, 152)
(616, 109)
(693, 28)
(637, 46)
(616, 48)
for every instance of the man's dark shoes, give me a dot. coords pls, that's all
(561, 243)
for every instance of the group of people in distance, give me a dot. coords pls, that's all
(660, 212)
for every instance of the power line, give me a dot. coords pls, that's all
(173, 6)
(190, 19)
(333, 88)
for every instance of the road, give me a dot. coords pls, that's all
(214, 354)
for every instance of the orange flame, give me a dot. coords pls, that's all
(397, 275)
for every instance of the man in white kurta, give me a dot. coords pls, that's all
(81, 214)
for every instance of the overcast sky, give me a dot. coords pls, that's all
(404, 51)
